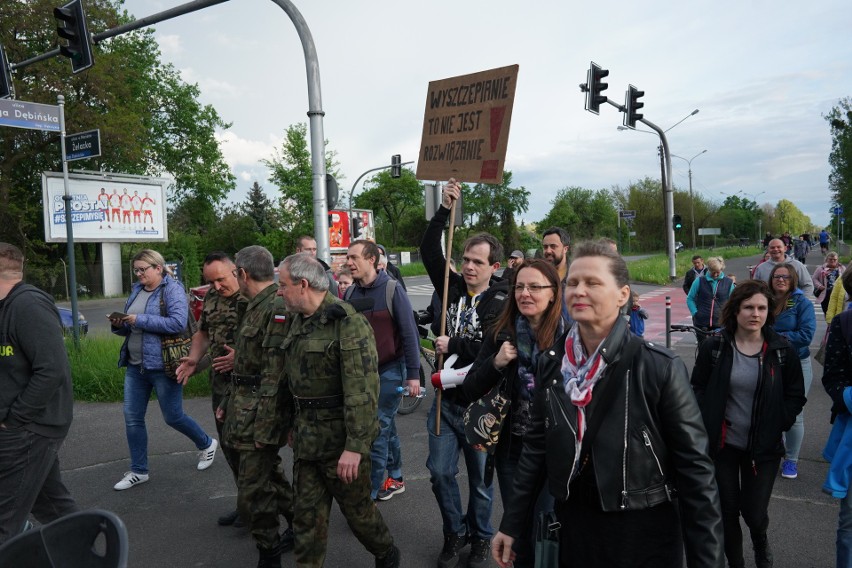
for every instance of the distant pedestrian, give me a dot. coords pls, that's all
(36, 401)
(801, 248)
(825, 277)
(824, 240)
(708, 296)
(391, 268)
(698, 269)
(515, 262)
(638, 315)
(157, 306)
(777, 255)
(344, 280)
(308, 244)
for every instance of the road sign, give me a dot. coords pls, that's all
(838, 210)
(709, 231)
(34, 116)
(627, 213)
(83, 145)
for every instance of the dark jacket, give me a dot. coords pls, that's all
(35, 377)
(690, 276)
(779, 398)
(651, 441)
(490, 303)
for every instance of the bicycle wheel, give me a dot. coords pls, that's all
(409, 404)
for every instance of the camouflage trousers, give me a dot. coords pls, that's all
(315, 485)
(232, 456)
(263, 493)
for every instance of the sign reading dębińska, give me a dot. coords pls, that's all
(466, 126)
(34, 116)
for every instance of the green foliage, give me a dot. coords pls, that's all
(97, 377)
(583, 213)
(840, 159)
(655, 269)
(738, 217)
(790, 218)
(397, 203)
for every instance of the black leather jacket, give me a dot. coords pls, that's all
(651, 445)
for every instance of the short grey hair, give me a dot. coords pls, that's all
(303, 266)
(257, 262)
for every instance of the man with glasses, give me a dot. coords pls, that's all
(217, 329)
(474, 300)
(308, 244)
(250, 410)
(777, 255)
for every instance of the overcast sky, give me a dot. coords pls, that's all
(762, 73)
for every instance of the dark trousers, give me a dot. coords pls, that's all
(232, 456)
(744, 489)
(30, 481)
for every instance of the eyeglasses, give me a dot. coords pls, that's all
(781, 277)
(140, 271)
(532, 288)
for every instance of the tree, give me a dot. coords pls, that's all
(291, 171)
(493, 208)
(259, 208)
(791, 218)
(738, 217)
(583, 213)
(392, 200)
(840, 158)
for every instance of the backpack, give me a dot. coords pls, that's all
(390, 289)
(719, 345)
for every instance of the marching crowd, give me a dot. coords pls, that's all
(585, 426)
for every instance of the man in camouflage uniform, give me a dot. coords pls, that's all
(330, 367)
(251, 412)
(220, 317)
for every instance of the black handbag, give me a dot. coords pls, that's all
(176, 347)
(547, 540)
(484, 418)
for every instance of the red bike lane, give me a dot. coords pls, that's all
(654, 301)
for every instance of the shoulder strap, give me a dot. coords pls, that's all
(607, 394)
(348, 293)
(390, 289)
(716, 352)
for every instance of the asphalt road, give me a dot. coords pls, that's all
(172, 518)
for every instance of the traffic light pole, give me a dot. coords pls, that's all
(354, 185)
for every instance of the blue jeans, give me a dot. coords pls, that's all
(844, 533)
(443, 464)
(385, 453)
(137, 392)
(793, 437)
(30, 481)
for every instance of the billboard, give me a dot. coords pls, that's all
(105, 208)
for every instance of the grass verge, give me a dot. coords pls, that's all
(655, 269)
(97, 377)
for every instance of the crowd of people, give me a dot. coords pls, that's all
(641, 462)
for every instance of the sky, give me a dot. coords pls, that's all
(762, 74)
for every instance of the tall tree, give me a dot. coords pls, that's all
(583, 213)
(259, 208)
(840, 159)
(392, 200)
(494, 208)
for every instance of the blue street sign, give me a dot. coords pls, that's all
(838, 210)
(83, 145)
(33, 116)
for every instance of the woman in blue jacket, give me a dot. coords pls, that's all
(794, 319)
(157, 306)
(708, 295)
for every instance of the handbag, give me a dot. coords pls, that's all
(484, 418)
(176, 347)
(820, 354)
(547, 540)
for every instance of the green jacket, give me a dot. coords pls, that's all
(220, 319)
(332, 354)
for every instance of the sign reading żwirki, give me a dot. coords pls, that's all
(466, 126)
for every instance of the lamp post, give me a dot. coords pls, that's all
(754, 197)
(691, 196)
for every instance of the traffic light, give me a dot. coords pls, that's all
(396, 166)
(677, 223)
(631, 101)
(595, 88)
(357, 226)
(72, 28)
(6, 88)
(331, 191)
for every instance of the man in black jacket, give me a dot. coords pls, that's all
(474, 299)
(36, 401)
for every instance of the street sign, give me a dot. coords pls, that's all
(709, 231)
(627, 213)
(838, 210)
(83, 145)
(34, 116)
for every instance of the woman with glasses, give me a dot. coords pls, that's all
(157, 306)
(748, 382)
(795, 319)
(708, 295)
(530, 323)
(616, 435)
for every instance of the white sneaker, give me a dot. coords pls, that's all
(205, 457)
(130, 479)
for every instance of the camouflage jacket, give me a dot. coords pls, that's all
(252, 413)
(220, 319)
(332, 353)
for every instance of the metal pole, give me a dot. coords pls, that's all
(668, 195)
(691, 205)
(618, 220)
(354, 185)
(668, 322)
(69, 228)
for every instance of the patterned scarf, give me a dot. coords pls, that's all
(580, 374)
(528, 353)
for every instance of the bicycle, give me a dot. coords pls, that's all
(409, 404)
(700, 334)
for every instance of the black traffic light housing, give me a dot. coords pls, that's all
(6, 87)
(332, 192)
(396, 166)
(632, 104)
(357, 226)
(72, 28)
(677, 222)
(595, 88)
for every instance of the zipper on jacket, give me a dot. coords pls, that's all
(577, 445)
(624, 452)
(651, 448)
(756, 406)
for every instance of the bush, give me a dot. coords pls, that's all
(97, 377)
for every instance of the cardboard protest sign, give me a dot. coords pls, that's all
(466, 126)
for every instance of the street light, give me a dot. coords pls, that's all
(691, 197)
(754, 197)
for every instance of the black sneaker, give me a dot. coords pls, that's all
(390, 560)
(287, 540)
(480, 549)
(453, 543)
(228, 519)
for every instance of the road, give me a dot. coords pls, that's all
(172, 518)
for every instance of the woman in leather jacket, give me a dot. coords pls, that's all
(750, 389)
(529, 325)
(617, 436)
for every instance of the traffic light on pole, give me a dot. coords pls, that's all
(677, 223)
(595, 88)
(633, 105)
(396, 166)
(72, 28)
(357, 226)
